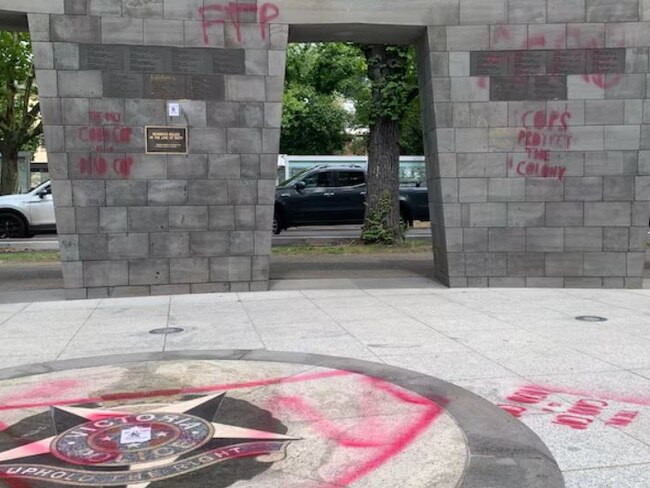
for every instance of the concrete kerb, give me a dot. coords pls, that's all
(502, 451)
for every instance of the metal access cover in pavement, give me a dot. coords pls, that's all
(255, 418)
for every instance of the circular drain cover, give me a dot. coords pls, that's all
(166, 330)
(591, 318)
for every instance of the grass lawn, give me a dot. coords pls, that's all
(9, 256)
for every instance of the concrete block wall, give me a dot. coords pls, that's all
(132, 223)
(537, 137)
(536, 122)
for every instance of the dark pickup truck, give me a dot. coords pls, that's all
(336, 195)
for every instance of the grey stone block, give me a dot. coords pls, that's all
(80, 83)
(564, 264)
(245, 88)
(54, 138)
(616, 239)
(209, 244)
(198, 288)
(626, 86)
(161, 290)
(636, 60)
(73, 275)
(51, 110)
(642, 188)
(605, 264)
(139, 111)
(475, 240)
(244, 140)
(484, 165)
(122, 30)
(566, 10)
(242, 192)
(261, 268)
(148, 219)
(86, 193)
(66, 222)
(624, 137)
(57, 165)
(607, 11)
(263, 216)
(263, 243)
(208, 192)
(526, 11)
(75, 28)
(611, 163)
(43, 55)
(194, 270)
(633, 112)
(250, 166)
(640, 214)
(448, 189)
(105, 7)
(545, 239)
(169, 245)
(128, 246)
(274, 88)
(618, 188)
(605, 112)
(188, 218)
(496, 282)
(208, 140)
(192, 166)
(486, 264)
(230, 269)
(224, 166)
(126, 193)
(188, 9)
(638, 238)
(525, 215)
(486, 215)
(105, 273)
(146, 9)
(585, 189)
(572, 282)
(539, 282)
(241, 243)
(613, 214)
(62, 194)
(614, 283)
(192, 114)
(468, 38)
(87, 220)
(69, 247)
(270, 141)
(525, 264)
(75, 111)
(583, 239)
(635, 263)
(245, 217)
(168, 192)
(645, 136)
(257, 62)
(507, 240)
(112, 219)
(222, 218)
(483, 12)
(544, 190)
(164, 32)
(39, 27)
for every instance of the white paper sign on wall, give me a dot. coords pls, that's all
(174, 109)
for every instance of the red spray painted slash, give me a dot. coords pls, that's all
(231, 14)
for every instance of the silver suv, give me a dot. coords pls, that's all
(27, 214)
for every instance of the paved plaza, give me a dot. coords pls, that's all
(583, 387)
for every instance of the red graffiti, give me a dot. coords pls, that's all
(99, 117)
(99, 166)
(580, 414)
(219, 14)
(377, 433)
(117, 135)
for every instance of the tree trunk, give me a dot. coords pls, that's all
(9, 175)
(383, 180)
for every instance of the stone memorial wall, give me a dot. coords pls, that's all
(535, 114)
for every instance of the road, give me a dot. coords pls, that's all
(302, 235)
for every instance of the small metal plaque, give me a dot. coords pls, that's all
(548, 88)
(491, 63)
(605, 61)
(529, 63)
(190, 61)
(150, 59)
(123, 85)
(166, 140)
(566, 62)
(228, 62)
(164, 86)
(101, 57)
(508, 88)
(205, 87)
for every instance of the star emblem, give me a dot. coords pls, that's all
(134, 449)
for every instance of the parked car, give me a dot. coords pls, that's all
(27, 214)
(336, 195)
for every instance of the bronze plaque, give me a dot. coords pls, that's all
(529, 63)
(166, 140)
(605, 61)
(200, 87)
(228, 62)
(548, 88)
(492, 63)
(123, 85)
(566, 62)
(164, 86)
(150, 59)
(190, 61)
(102, 58)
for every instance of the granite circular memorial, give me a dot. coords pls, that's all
(267, 419)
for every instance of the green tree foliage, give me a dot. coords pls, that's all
(20, 124)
